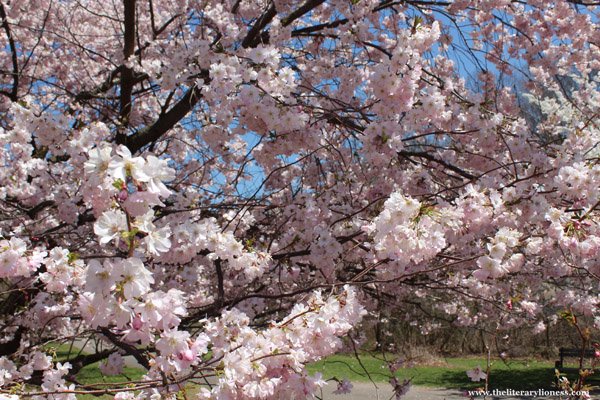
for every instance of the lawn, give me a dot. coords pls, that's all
(91, 373)
(445, 373)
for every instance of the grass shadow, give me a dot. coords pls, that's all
(517, 379)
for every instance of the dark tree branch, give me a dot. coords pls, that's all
(127, 82)
(12, 346)
(220, 287)
(315, 28)
(160, 30)
(165, 121)
(129, 349)
(31, 212)
(82, 360)
(256, 36)
(104, 87)
(107, 85)
(152, 23)
(137, 78)
(300, 11)
(299, 253)
(333, 24)
(261, 22)
(585, 3)
(427, 156)
(13, 50)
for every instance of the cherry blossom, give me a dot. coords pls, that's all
(476, 374)
(344, 386)
(113, 365)
(110, 226)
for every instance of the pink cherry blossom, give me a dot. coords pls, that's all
(476, 374)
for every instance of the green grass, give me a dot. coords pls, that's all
(449, 373)
(91, 374)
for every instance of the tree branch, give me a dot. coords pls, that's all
(165, 121)
(220, 287)
(82, 360)
(131, 350)
(127, 82)
(300, 11)
(427, 156)
(13, 50)
(251, 38)
(255, 37)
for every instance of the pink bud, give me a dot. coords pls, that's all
(137, 323)
(186, 355)
(123, 195)
(509, 304)
(597, 353)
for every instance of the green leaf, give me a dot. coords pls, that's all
(130, 234)
(119, 184)
(416, 23)
(72, 257)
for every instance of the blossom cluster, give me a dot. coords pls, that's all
(265, 365)
(407, 230)
(493, 265)
(16, 260)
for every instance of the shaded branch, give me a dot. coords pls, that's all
(83, 360)
(12, 346)
(129, 349)
(31, 212)
(261, 22)
(166, 120)
(300, 11)
(427, 156)
(13, 50)
(220, 287)
(127, 72)
(108, 84)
